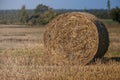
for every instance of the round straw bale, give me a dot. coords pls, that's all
(76, 37)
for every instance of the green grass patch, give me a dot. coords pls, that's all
(109, 21)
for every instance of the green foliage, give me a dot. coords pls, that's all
(115, 14)
(42, 15)
(23, 15)
(41, 9)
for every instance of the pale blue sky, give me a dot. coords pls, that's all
(58, 4)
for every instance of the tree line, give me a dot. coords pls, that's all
(43, 14)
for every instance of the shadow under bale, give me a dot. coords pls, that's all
(75, 38)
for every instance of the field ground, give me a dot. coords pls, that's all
(22, 57)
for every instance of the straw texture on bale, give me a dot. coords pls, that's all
(76, 38)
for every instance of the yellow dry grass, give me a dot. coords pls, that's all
(22, 57)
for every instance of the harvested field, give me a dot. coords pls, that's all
(75, 37)
(26, 60)
(17, 37)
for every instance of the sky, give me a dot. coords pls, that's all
(58, 4)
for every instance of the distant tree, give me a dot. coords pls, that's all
(47, 17)
(42, 15)
(41, 9)
(108, 5)
(115, 14)
(23, 15)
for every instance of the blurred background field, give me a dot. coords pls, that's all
(22, 56)
(109, 21)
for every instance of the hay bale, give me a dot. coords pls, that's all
(76, 38)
